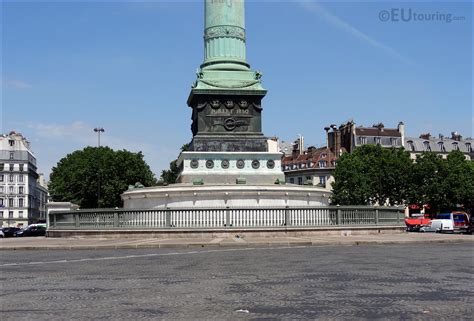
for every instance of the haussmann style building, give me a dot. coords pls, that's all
(22, 196)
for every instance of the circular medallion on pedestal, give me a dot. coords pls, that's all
(225, 164)
(215, 103)
(243, 104)
(255, 164)
(210, 164)
(229, 104)
(240, 163)
(194, 163)
(271, 164)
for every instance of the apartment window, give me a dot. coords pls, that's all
(1, 214)
(22, 167)
(377, 140)
(2, 166)
(10, 189)
(1, 202)
(21, 202)
(12, 166)
(308, 178)
(11, 178)
(10, 214)
(11, 142)
(20, 178)
(20, 190)
(12, 155)
(1, 190)
(322, 164)
(362, 140)
(1, 177)
(10, 202)
(322, 180)
(292, 180)
(300, 180)
(20, 214)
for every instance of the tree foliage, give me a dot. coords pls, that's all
(170, 175)
(375, 175)
(76, 177)
(372, 175)
(444, 184)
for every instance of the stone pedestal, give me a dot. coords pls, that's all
(221, 196)
(254, 168)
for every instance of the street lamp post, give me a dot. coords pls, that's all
(98, 130)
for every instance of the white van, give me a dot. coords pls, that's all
(444, 223)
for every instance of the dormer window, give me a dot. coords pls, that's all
(362, 140)
(323, 155)
(411, 146)
(427, 146)
(441, 147)
(11, 142)
(455, 146)
(469, 147)
(322, 164)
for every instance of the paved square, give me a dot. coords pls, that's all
(433, 281)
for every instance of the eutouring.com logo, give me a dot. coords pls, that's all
(410, 15)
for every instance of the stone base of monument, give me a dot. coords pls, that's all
(249, 168)
(222, 196)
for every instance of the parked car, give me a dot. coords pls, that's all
(416, 221)
(1, 234)
(33, 230)
(447, 222)
(10, 231)
(469, 228)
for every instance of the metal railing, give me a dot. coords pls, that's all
(324, 216)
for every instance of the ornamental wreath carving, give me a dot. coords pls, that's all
(224, 31)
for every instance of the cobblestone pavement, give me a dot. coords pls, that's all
(390, 282)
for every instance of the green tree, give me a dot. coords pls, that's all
(170, 175)
(428, 182)
(443, 184)
(371, 175)
(76, 177)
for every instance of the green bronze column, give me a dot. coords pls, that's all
(224, 35)
(226, 96)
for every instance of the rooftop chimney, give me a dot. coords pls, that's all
(456, 136)
(425, 136)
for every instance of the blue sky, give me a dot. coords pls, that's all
(127, 66)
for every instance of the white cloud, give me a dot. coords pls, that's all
(15, 84)
(337, 22)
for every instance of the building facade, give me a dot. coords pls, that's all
(348, 137)
(313, 166)
(20, 196)
(440, 145)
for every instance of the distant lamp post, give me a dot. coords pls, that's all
(98, 130)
